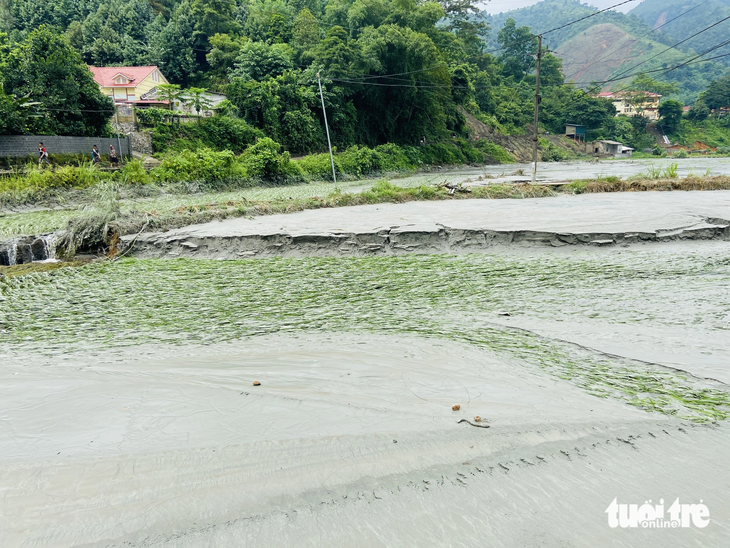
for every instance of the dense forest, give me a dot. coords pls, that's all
(393, 71)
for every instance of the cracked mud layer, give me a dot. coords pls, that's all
(129, 415)
(464, 226)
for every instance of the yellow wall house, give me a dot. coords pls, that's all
(129, 86)
(634, 103)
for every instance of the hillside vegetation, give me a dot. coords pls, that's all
(612, 44)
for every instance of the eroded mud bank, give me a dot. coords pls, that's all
(453, 227)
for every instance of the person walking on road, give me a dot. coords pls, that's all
(95, 155)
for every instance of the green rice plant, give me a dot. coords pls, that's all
(670, 171)
(652, 172)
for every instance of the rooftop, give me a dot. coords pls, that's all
(104, 76)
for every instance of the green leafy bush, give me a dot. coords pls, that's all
(359, 160)
(211, 168)
(494, 152)
(152, 116)
(681, 154)
(318, 166)
(134, 172)
(264, 160)
(216, 133)
(552, 153)
(391, 157)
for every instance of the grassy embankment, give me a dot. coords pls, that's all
(108, 215)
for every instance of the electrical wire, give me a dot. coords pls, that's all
(675, 45)
(608, 54)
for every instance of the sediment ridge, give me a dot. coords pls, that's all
(452, 227)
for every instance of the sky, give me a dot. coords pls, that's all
(497, 6)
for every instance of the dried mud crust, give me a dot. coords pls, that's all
(400, 240)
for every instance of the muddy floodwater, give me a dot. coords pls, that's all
(548, 172)
(129, 415)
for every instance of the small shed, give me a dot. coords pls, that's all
(626, 152)
(575, 131)
(611, 148)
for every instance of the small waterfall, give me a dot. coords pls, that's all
(28, 249)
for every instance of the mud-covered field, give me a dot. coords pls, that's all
(129, 415)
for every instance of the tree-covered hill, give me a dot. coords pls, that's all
(698, 14)
(612, 44)
(394, 71)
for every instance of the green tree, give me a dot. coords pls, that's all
(196, 98)
(520, 48)
(211, 17)
(269, 21)
(173, 47)
(259, 60)
(225, 48)
(305, 33)
(717, 94)
(671, 112)
(45, 69)
(170, 93)
(643, 83)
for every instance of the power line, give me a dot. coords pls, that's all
(675, 45)
(608, 54)
(665, 70)
(586, 17)
(534, 35)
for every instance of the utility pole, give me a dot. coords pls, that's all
(116, 119)
(535, 137)
(327, 129)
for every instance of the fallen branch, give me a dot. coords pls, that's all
(473, 424)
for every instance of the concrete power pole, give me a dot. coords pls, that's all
(116, 119)
(535, 137)
(327, 129)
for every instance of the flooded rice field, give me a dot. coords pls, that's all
(130, 418)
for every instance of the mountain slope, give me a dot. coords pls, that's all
(662, 12)
(614, 44)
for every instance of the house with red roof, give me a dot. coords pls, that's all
(634, 103)
(130, 86)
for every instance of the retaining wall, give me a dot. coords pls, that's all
(18, 146)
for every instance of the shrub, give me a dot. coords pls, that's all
(265, 161)
(358, 160)
(217, 133)
(442, 153)
(494, 152)
(134, 172)
(152, 116)
(318, 166)
(681, 154)
(551, 153)
(211, 168)
(391, 157)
